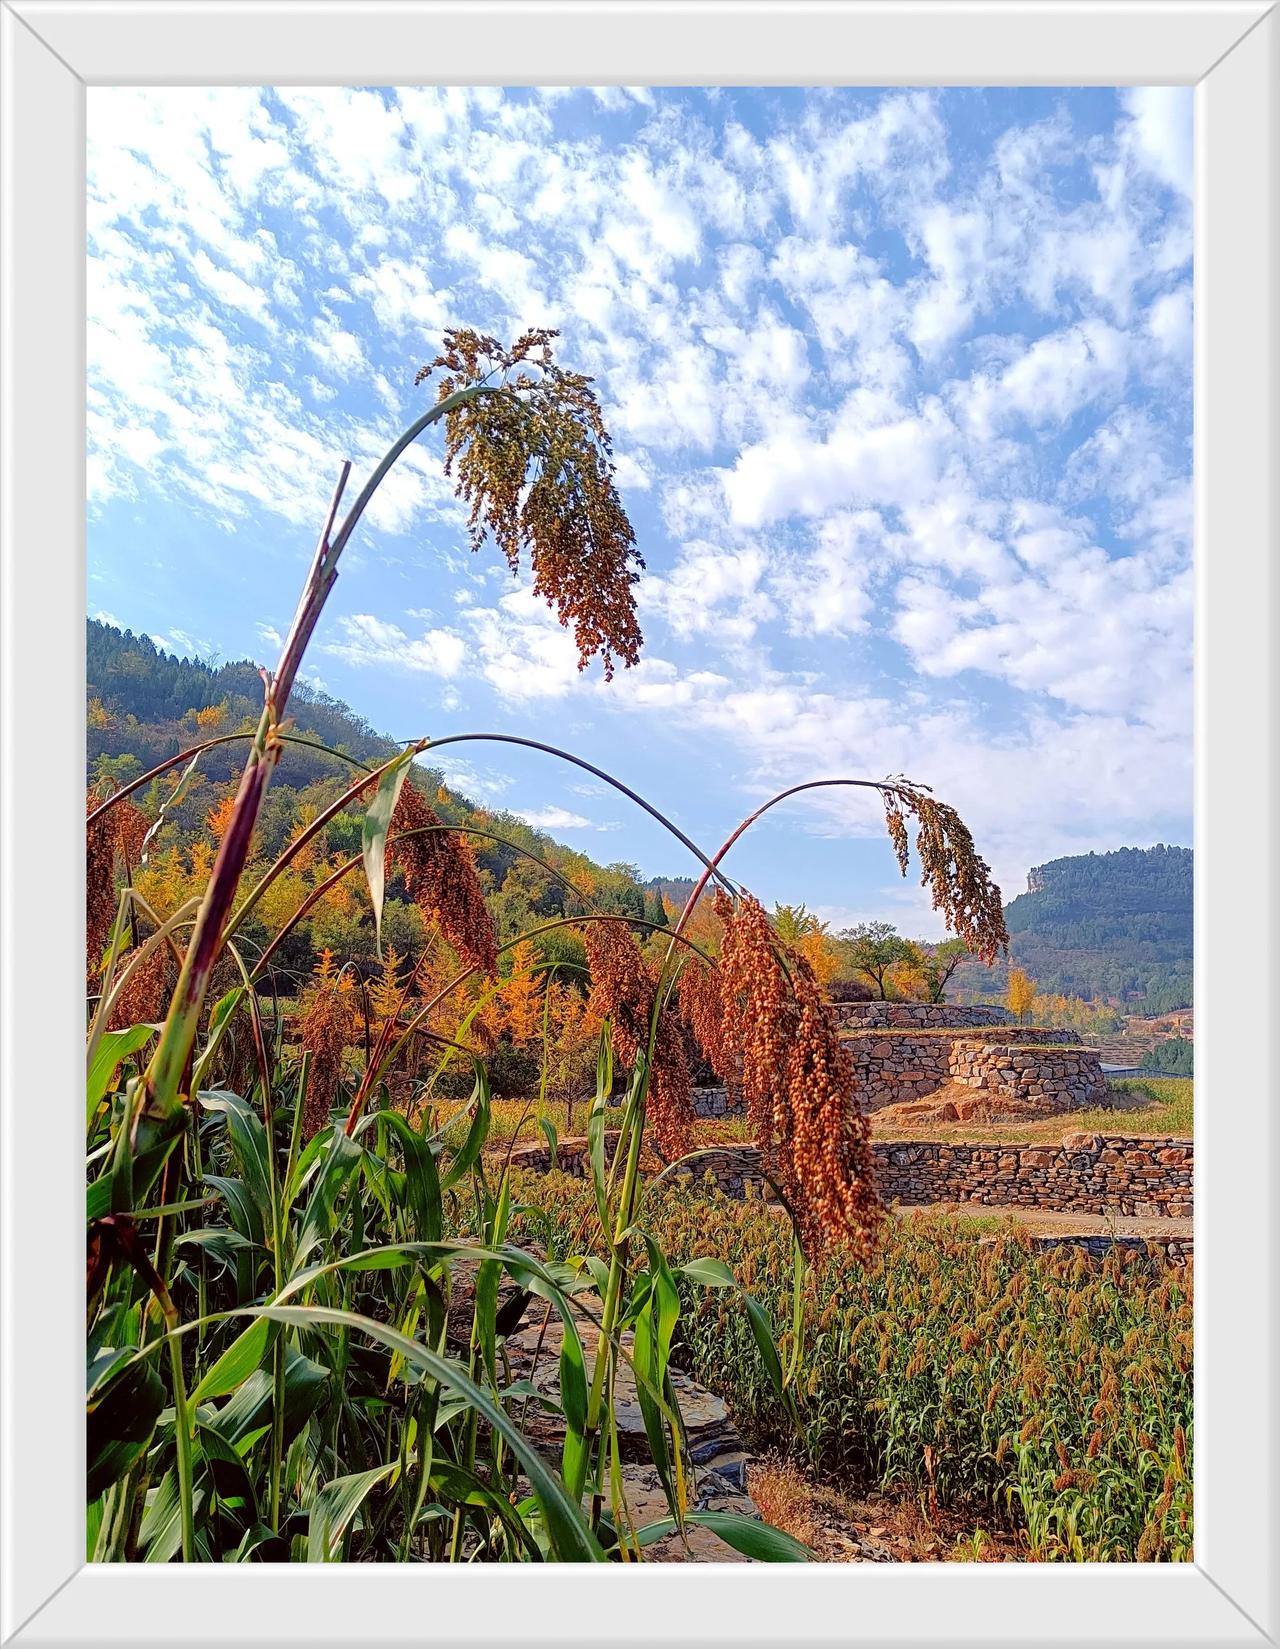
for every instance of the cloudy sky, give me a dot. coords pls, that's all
(899, 384)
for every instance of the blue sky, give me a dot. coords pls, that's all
(899, 383)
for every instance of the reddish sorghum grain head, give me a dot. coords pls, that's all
(532, 459)
(440, 876)
(623, 991)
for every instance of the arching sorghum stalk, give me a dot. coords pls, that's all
(623, 991)
(957, 877)
(532, 458)
(544, 485)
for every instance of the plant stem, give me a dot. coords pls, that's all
(160, 1113)
(617, 1266)
(182, 1439)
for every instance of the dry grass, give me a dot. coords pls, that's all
(840, 1528)
(784, 1498)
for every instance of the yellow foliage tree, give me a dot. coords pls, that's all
(386, 990)
(522, 996)
(219, 816)
(821, 955)
(1021, 994)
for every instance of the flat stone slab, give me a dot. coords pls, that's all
(719, 1458)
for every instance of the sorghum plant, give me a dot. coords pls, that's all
(295, 1290)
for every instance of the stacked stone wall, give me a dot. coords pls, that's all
(1086, 1174)
(917, 1016)
(895, 1066)
(1063, 1077)
(717, 1102)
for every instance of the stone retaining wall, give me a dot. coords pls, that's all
(1175, 1250)
(1086, 1174)
(895, 1066)
(717, 1102)
(908, 1016)
(1066, 1078)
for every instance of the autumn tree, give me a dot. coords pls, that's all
(809, 937)
(1021, 994)
(385, 991)
(874, 949)
(522, 995)
(936, 964)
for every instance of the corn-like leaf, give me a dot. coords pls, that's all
(112, 1048)
(249, 1145)
(422, 1181)
(552, 1138)
(572, 1538)
(373, 837)
(476, 1134)
(245, 1354)
(248, 1410)
(759, 1541)
(121, 1418)
(710, 1273)
(334, 1507)
(486, 1296)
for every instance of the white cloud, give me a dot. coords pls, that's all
(559, 818)
(1051, 380)
(1169, 322)
(712, 589)
(1162, 128)
(184, 645)
(368, 640)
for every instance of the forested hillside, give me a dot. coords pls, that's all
(145, 706)
(1110, 926)
(1104, 925)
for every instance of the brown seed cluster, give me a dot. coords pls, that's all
(145, 997)
(117, 834)
(958, 879)
(623, 991)
(326, 1027)
(777, 1037)
(441, 879)
(701, 1011)
(533, 460)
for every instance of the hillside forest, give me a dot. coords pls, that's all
(1093, 936)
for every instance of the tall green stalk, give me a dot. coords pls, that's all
(158, 1108)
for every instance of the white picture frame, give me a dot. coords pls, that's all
(52, 50)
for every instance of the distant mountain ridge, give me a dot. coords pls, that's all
(1103, 925)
